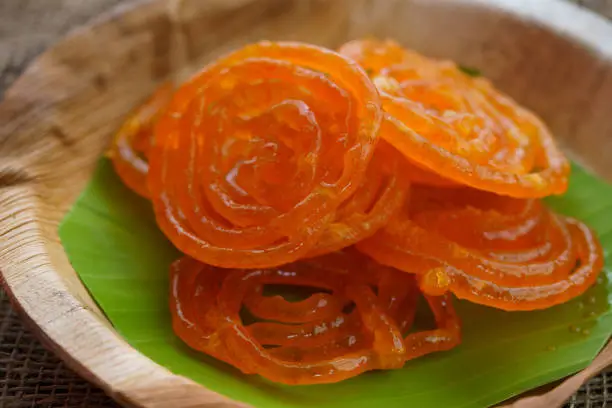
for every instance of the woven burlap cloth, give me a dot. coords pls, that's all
(31, 376)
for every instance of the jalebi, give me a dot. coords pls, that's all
(130, 148)
(512, 254)
(380, 194)
(264, 117)
(317, 195)
(459, 127)
(355, 323)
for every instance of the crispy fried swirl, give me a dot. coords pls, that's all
(341, 330)
(458, 127)
(512, 254)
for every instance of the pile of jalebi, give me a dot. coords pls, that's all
(367, 178)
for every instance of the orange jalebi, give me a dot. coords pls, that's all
(132, 143)
(368, 209)
(378, 197)
(512, 254)
(267, 167)
(458, 127)
(264, 117)
(315, 340)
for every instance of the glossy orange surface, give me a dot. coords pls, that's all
(271, 165)
(130, 148)
(458, 127)
(356, 320)
(255, 155)
(512, 254)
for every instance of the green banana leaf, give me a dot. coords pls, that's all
(113, 243)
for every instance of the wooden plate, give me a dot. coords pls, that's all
(57, 118)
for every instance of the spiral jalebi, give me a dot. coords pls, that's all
(263, 128)
(458, 127)
(512, 254)
(317, 339)
(132, 143)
